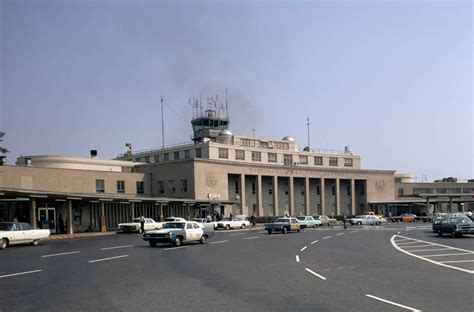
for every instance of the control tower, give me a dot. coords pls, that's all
(209, 122)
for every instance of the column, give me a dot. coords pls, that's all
(427, 205)
(243, 208)
(292, 195)
(451, 204)
(306, 196)
(162, 217)
(322, 196)
(103, 225)
(275, 196)
(132, 210)
(33, 219)
(338, 196)
(70, 230)
(188, 209)
(259, 196)
(353, 201)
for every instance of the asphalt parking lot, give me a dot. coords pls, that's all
(394, 267)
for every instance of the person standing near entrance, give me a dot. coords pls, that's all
(344, 221)
(142, 224)
(60, 224)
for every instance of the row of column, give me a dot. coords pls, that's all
(292, 196)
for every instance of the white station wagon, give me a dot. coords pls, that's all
(12, 233)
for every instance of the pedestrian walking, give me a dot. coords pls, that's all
(344, 221)
(142, 224)
(231, 215)
(61, 224)
(252, 221)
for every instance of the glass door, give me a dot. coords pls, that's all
(47, 218)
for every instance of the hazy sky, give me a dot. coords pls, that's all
(393, 80)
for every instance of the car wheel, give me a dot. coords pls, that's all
(3, 243)
(298, 230)
(203, 239)
(377, 223)
(227, 227)
(440, 233)
(359, 223)
(178, 241)
(152, 243)
(284, 230)
(269, 231)
(35, 242)
(242, 226)
(453, 234)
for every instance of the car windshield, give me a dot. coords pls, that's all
(301, 218)
(6, 226)
(461, 220)
(174, 225)
(285, 220)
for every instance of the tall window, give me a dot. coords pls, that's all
(99, 186)
(333, 190)
(140, 187)
(318, 160)
(253, 188)
(400, 192)
(183, 185)
(223, 153)
(166, 156)
(198, 153)
(156, 158)
(333, 161)
(256, 156)
(161, 187)
(303, 159)
(272, 157)
(187, 154)
(120, 186)
(287, 160)
(239, 154)
(236, 187)
(176, 155)
(348, 162)
(147, 159)
(172, 186)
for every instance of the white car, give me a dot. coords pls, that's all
(237, 222)
(12, 233)
(366, 220)
(134, 226)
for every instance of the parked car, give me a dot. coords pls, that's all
(283, 225)
(134, 226)
(308, 221)
(206, 223)
(365, 220)
(456, 226)
(237, 222)
(178, 233)
(12, 233)
(325, 220)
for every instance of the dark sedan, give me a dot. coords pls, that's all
(456, 226)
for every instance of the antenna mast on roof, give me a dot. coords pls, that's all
(309, 142)
(162, 125)
(226, 105)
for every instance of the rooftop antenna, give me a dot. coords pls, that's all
(253, 132)
(162, 125)
(309, 141)
(226, 105)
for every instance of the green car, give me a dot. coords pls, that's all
(308, 221)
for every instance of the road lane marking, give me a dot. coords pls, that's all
(173, 248)
(339, 234)
(239, 234)
(398, 232)
(251, 237)
(105, 259)
(432, 249)
(393, 303)
(314, 242)
(407, 243)
(416, 246)
(60, 254)
(456, 261)
(354, 231)
(219, 242)
(302, 249)
(297, 258)
(116, 247)
(326, 237)
(316, 274)
(394, 244)
(21, 273)
(451, 254)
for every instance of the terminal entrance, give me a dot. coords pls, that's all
(47, 218)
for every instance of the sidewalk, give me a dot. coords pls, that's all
(77, 235)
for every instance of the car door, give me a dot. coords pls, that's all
(198, 231)
(189, 231)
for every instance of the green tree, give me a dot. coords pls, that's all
(2, 149)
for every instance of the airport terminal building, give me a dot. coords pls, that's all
(218, 172)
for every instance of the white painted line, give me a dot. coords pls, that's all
(406, 243)
(302, 249)
(21, 273)
(297, 258)
(432, 249)
(326, 237)
(314, 242)
(251, 237)
(105, 259)
(219, 242)
(393, 303)
(417, 246)
(116, 247)
(354, 231)
(457, 261)
(316, 274)
(451, 254)
(60, 254)
(239, 234)
(434, 244)
(173, 248)
(398, 232)
(339, 234)
(392, 240)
